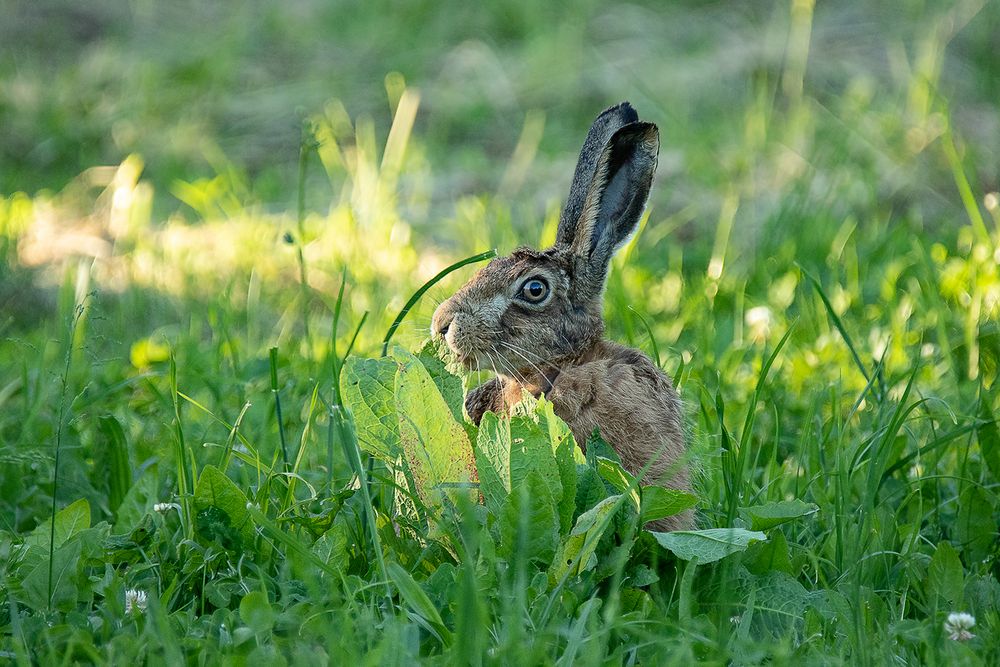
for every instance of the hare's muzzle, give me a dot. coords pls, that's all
(441, 321)
(447, 324)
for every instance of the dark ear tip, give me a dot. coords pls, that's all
(623, 110)
(639, 132)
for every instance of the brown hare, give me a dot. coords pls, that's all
(535, 317)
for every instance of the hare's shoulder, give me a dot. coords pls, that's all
(636, 363)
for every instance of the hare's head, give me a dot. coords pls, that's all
(527, 311)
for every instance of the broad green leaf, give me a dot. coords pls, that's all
(707, 545)
(944, 574)
(508, 450)
(982, 594)
(139, 500)
(577, 554)
(529, 521)
(531, 451)
(70, 520)
(216, 491)
(614, 474)
(119, 469)
(638, 602)
(440, 585)
(493, 461)
(559, 431)
(988, 435)
(566, 465)
(332, 547)
(129, 548)
(566, 454)
(779, 597)
(659, 502)
(771, 555)
(368, 389)
(65, 563)
(769, 515)
(449, 384)
(597, 446)
(590, 488)
(840, 607)
(435, 446)
(653, 502)
(418, 601)
(977, 529)
(256, 612)
(642, 575)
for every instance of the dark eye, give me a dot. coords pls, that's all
(534, 290)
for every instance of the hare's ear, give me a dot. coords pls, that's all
(615, 200)
(607, 123)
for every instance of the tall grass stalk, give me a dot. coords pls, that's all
(739, 469)
(838, 323)
(78, 312)
(307, 144)
(490, 254)
(300, 454)
(187, 472)
(337, 360)
(277, 406)
(349, 440)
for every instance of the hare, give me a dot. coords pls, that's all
(535, 317)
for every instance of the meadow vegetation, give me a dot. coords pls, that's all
(212, 214)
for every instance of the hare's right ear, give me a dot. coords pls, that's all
(607, 123)
(615, 201)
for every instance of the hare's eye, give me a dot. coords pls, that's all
(534, 290)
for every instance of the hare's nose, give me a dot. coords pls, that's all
(441, 321)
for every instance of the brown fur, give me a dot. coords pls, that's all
(556, 347)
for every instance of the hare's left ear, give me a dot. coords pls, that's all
(615, 200)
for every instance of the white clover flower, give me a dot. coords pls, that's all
(991, 201)
(166, 507)
(759, 320)
(135, 601)
(958, 625)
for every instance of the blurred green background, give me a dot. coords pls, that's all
(775, 116)
(187, 85)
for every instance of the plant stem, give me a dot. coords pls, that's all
(77, 313)
(490, 254)
(277, 405)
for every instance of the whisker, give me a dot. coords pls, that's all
(519, 349)
(541, 373)
(510, 368)
(492, 364)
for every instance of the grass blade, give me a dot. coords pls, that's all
(277, 406)
(63, 390)
(186, 471)
(490, 254)
(120, 472)
(843, 332)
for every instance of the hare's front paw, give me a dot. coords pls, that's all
(487, 397)
(574, 389)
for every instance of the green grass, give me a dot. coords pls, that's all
(818, 272)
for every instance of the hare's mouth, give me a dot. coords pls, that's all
(469, 360)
